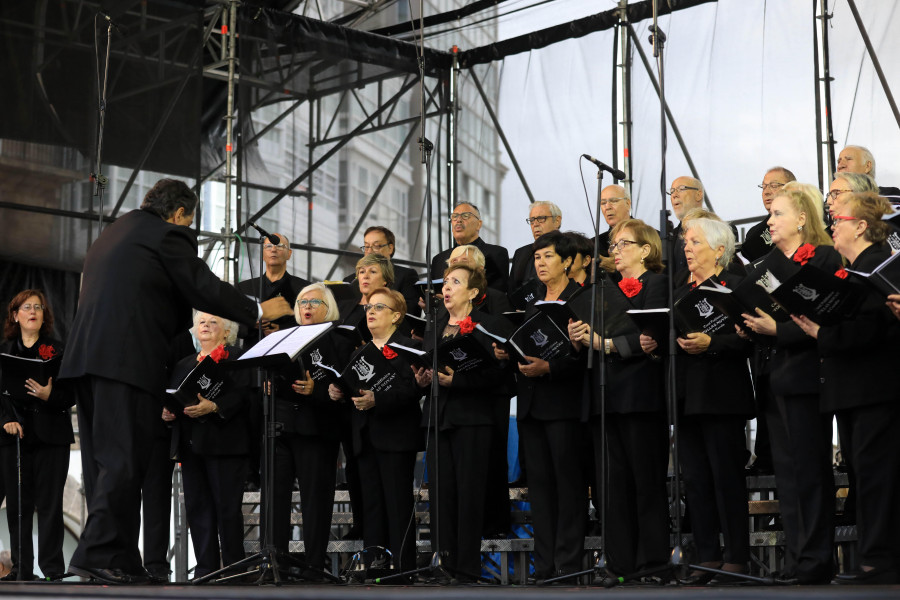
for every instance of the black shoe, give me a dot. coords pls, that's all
(697, 578)
(873, 577)
(111, 576)
(14, 576)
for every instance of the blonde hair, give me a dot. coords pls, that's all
(808, 200)
(387, 268)
(332, 313)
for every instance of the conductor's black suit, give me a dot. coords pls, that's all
(141, 278)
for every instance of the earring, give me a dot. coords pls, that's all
(856, 237)
(642, 260)
(799, 227)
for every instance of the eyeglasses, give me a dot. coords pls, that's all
(274, 246)
(620, 245)
(378, 307)
(28, 307)
(838, 218)
(373, 247)
(463, 216)
(681, 189)
(314, 303)
(611, 201)
(542, 219)
(833, 194)
(770, 186)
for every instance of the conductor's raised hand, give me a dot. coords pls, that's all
(275, 308)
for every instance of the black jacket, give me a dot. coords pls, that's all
(223, 433)
(47, 422)
(393, 424)
(860, 355)
(496, 264)
(472, 397)
(141, 279)
(715, 382)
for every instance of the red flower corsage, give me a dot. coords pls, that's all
(630, 287)
(466, 325)
(219, 354)
(804, 253)
(841, 273)
(46, 351)
(388, 353)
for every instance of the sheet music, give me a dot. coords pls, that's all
(287, 341)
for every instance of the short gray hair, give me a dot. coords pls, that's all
(858, 182)
(474, 208)
(717, 233)
(230, 327)
(866, 157)
(554, 209)
(332, 313)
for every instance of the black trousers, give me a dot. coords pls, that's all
(497, 517)
(460, 478)
(712, 452)
(44, 470)
(312, 460)
(114, 421)
(213, 495)
(557, 493)
(870, 435)
(156, 498)
(801, 444)
(637, 524)
(351, 471)
(387, 480)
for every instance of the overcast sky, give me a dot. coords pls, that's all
(739, 81)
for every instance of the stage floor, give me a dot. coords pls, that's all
(461, 592)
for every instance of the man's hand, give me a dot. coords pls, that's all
(275, 308)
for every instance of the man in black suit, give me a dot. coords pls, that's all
(277, 283)
(381, 240)
(465, 223)
(140, 280)
(758, 242)
(685, 194)
(542, 218)
(615, 205)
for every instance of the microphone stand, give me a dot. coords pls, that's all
(598, 300)
(98, 177)
(269, 560)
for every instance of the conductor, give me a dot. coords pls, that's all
(140, 279)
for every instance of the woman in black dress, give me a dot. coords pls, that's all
(44, 425)
(637, 434)
(387, 435)
(466, 421)
(715, 398)
(800, 433)
(212, 441)
(857, 357)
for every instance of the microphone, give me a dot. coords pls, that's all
(616, 173)
(272, 237)
(116, 26)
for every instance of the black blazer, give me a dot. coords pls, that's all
(496, 264)
(47, 422)
(716, 382)
(472, 397)
(404, 282)
(634, 379)
(316, 414)
(860, 355)
(141, 278)
(288, 287)
(392, 425)
(557, 395)
(758, 241)
(522, 268)
(224, 433)
(794, 361)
